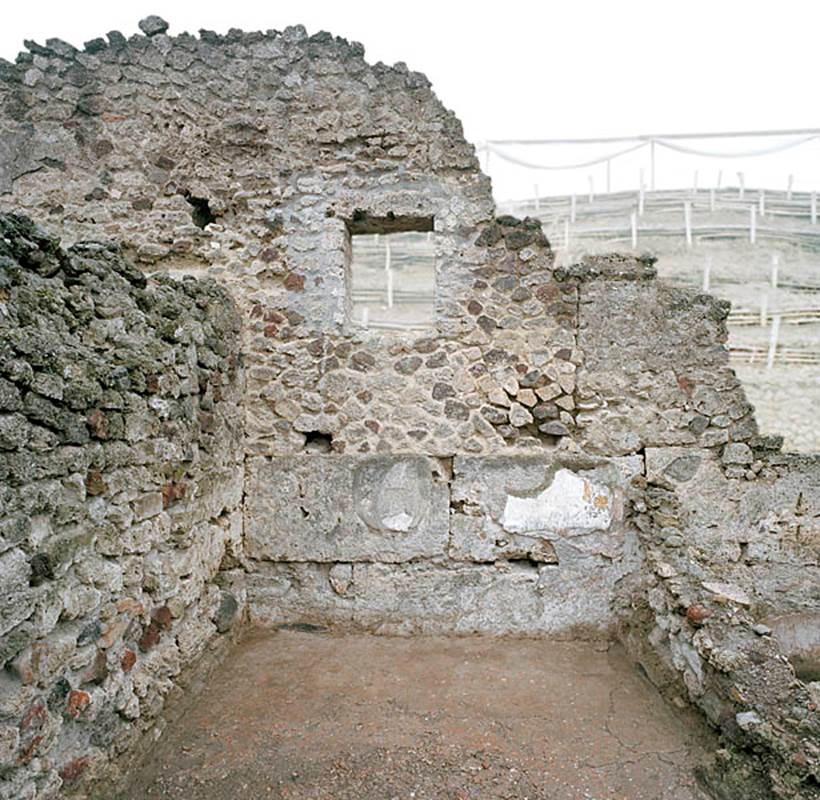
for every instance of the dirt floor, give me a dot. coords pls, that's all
(303, 715)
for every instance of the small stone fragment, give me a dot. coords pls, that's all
(153, 25)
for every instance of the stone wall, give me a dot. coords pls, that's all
(564, 450)
(726, 613)
(120, 485)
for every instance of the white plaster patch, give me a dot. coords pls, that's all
(398, 522)
(569, 502)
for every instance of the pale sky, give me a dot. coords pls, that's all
(546, 69)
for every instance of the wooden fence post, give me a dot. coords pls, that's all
(775, 265)
(712, 200)
(633, 222)
(773, 341)
(687, 221)
(566, 234)
(752, 224)
(741, 179)
(762, 203)
(389, 273)
(537, 200)
(572, 205)
(789, 184)
(707, 272)
(764, 309)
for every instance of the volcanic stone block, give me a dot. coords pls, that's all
(530, 507)
(346, 508)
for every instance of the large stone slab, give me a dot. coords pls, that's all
(346, 508)
(540, 508)
(427, 597)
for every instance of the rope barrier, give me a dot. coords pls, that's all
(489, 148)
(493, 147)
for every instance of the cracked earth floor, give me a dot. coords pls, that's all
(303, 715)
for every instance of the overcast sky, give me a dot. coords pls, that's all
(545, 69)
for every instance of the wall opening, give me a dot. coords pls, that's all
(392, 275)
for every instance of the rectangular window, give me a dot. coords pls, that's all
(392, 277)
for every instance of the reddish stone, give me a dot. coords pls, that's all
(34, 717)
(129, 605)
(294, 282)
(98, 671)
(474, 307)
(152, 384)
(268, 255)
(687, 384)
(372, 424)
(29, 750)
(98, 423)
(697, 614)
(173, 491)
(163, 617)
(73, 770)
(94, 483)
(271, 331)
(316, 347)
(149, 637)
(129, 658)
(78, 701)
(547, 292)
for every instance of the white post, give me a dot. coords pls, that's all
(537, 201)
(566, 234)
(712, 200)
(762, 203)
(764, 310)
(790, 184)
(365, 317)
(695, 183)
(652, 166)
(773, 341)
(572, 205)
(775, 265)
(429, 236)
(641, 182)
(633, 221)
(389, 272)
(741, 180)
(487, 161)
(752, 224)
(591, 188)
(608, 176)
(687, 221)
(707, 272)
(641, 200)
(814, 208)
(720, 178)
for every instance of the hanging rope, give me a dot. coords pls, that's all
(489, 148)
(778, 148)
